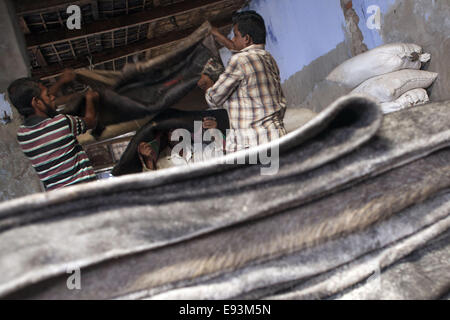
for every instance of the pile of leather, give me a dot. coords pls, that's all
(359, 208)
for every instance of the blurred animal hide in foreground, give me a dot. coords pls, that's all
(359, 207)
(146, 88)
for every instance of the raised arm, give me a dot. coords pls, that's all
(90, 117)
(226, 84)
(67, 76)
(223, 40)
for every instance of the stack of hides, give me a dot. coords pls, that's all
(360, 208)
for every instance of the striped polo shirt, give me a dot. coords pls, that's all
(54, 152)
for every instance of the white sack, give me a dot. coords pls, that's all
(381, 60)
(391, 86)
(411, 98)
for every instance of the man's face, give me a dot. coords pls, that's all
(239, 41)
(48, 101)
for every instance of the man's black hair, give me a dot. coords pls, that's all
(21, 92)
(252, 24)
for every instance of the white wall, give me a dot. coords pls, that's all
(17, 177)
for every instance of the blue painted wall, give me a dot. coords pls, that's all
(372, 38)
(299, 31)
(4, 107)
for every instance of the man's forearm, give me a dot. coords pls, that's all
(223, 40)
(66, 99)
(54, 89)
(67, 76)
(90, 117)
(210, 100)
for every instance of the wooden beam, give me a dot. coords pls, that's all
(39, 57)
(60, 19)
(24, 26)
(43, 22)
(94, 7)
(151, 29)
(148, 54)
(118, 22)
(57, 54)
(73, 50)
(110, 55)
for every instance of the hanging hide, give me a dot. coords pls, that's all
(146, 88)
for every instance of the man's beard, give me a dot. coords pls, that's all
(49, 110)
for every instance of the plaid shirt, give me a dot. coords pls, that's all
(251, 92)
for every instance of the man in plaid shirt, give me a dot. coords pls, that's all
(249, 88)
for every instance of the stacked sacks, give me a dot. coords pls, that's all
(390, 73)
(391, 87)
(381, 60)
(410, 98)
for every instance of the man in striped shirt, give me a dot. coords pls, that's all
(48, 139)
(250, 87)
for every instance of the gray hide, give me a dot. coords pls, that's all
(353, 192)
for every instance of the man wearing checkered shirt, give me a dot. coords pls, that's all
(250, 87)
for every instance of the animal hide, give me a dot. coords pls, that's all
(328, 269)
(345, 175)
(146, 88)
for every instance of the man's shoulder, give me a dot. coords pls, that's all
(236, 58)
(254, 54)
(242, 57)
(250, 52)
(58, 118)
(40, 122)
(43, 127)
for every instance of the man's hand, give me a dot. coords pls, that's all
(67, 76)
(148, 155)
(145, 150)
(90, 116)
(209, 123)
(215, 32)
(222, 39)
(205, 82)
(92, 95)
